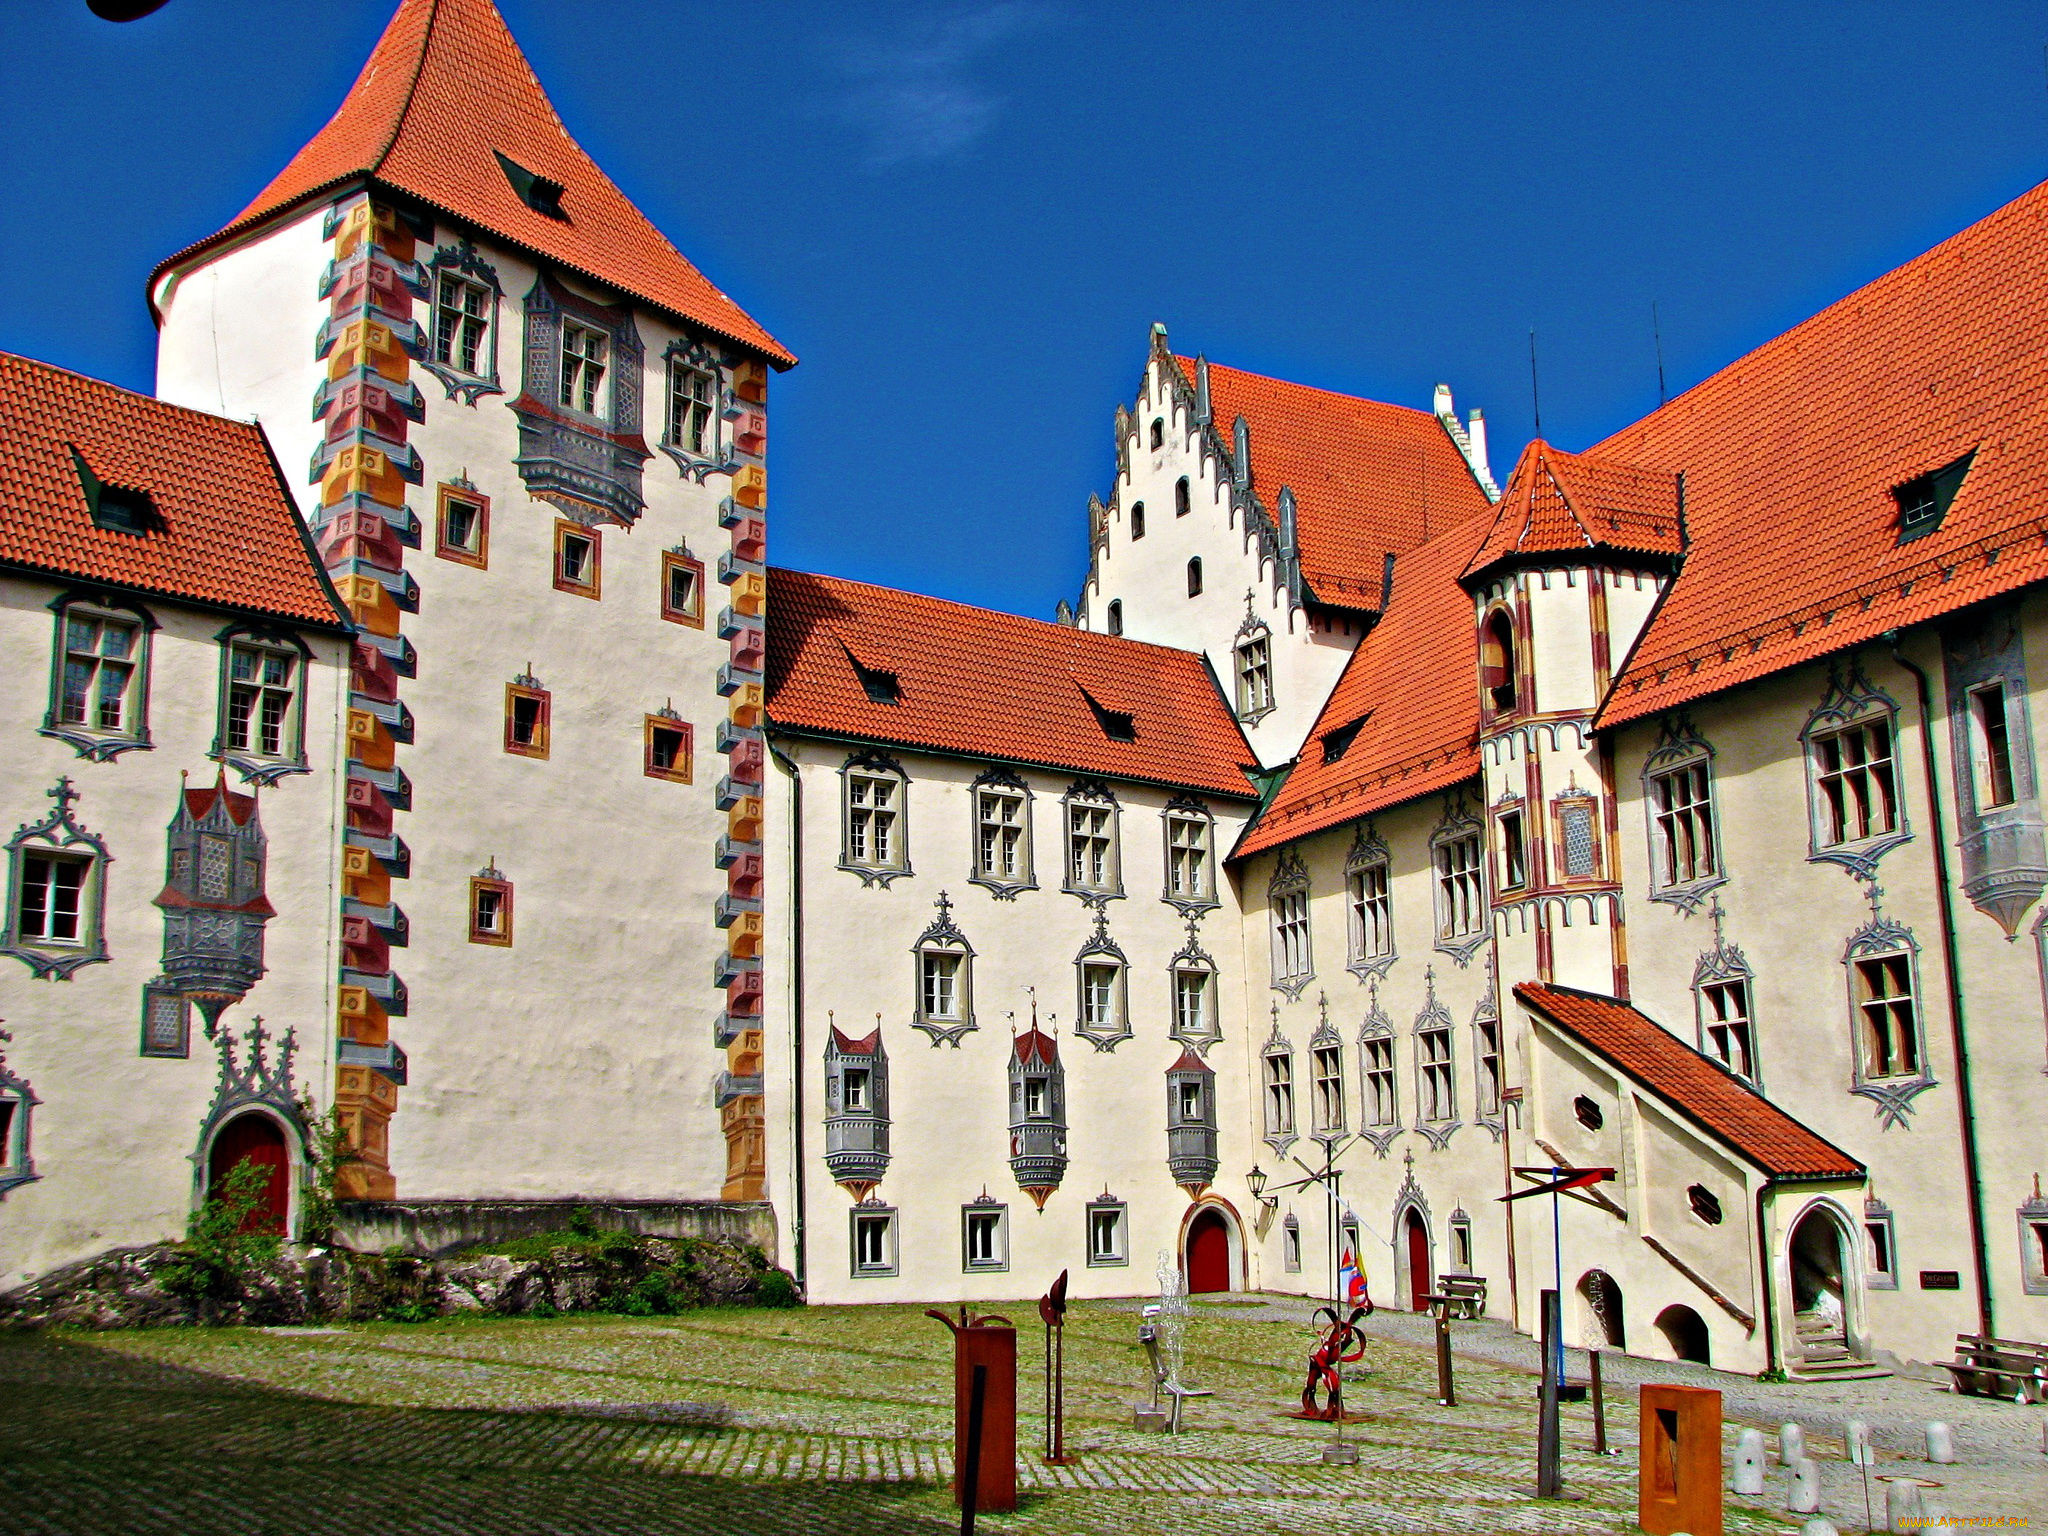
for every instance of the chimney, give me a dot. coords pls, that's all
(1476, 431)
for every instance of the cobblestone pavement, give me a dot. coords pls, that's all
(822, 1420)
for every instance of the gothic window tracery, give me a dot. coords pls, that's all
(1287, 897)
(580, 443)
(1854, 797)
(56, 879)
(99, 678)
(944, 979)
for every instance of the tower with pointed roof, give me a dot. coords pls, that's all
(530, 440)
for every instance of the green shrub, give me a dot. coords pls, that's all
(410, 1312)
(216, 1250)
(776, 1289)
(582, 1222)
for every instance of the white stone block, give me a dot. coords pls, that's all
(1941, 1444)
(1791, 1444)
(1749, 1462)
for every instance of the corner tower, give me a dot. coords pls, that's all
(533, 438)
(1579, 551)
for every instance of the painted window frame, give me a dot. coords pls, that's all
(1093, 797)
(1290, 1244)
(680, 559)
(682, 765)
(158, 992)
(1099, 951)
(1188, 812)
(1107, 1204)
(993, 1216)
(1458, 873)
(477, 553)
(17, 1144)
(490, 882)
(1877, 1218)
(942, 939)
(889, 1258)
(1682, 754)
(591, 583)
(59, 835)
(871, 767)
(1001, 783)
(1252, 671)
(254, 765)
(1290, 924)
(95, 743)
(527, 686)
(461, 263)
(1852, 704)
(1883, 939)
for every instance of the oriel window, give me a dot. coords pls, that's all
(584, 354)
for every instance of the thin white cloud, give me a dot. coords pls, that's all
(914, 94)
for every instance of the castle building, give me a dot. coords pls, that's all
(1669, 812)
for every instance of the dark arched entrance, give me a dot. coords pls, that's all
(1421, 1282)
(1208, 1253)
(1820, 1311)
(1603, 1320)
(254, 1138)
(1685, 1331)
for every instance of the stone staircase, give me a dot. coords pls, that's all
(1823, 1353)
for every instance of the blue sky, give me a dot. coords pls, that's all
(965, 217)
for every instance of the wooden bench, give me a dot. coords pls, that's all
(1460, 1295)
(1987, 1367)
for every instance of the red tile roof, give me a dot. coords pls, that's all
(1414, 682)
(229, 535)
(446, 90)
(989, 684)
(1701, 1089)
(1568, 503)
(1368, 478)
(1036, 1045)
(1791, 454)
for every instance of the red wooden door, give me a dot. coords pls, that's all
(256, 1138)
(1208, 1254)
(1419, 1278)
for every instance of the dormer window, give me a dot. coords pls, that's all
(538, 192)
(1497, 662)
(1924, 501)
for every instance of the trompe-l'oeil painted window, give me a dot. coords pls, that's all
(692, 419)
(462, 325)
(585, 352)
(100, 681)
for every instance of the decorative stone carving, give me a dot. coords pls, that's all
(588, 467)
(213, 902)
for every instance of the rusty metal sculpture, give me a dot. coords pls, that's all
(984, 1412)
(1341, 1343)
(1052, 1310)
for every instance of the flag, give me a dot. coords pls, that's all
(1351, 1279)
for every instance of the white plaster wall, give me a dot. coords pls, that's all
(581, 1060)
(115, 1130)
(1149, 575)
(949, 1106)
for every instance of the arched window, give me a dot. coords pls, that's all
(944, 978)
(1116, 616)
(1137, 520)
(1497, 661)
(1195, 577)
(1159, 432)
(1180, 497)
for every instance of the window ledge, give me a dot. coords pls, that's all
(466, 387)
(873, 874)
(1002, 890)
(1860, 858)
(1689, 896)
(261, 770)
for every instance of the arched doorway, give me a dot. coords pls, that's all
(1685, 1332)
(1208, 1253)
(1601, 1324)
(255, 1138)
(1820, 1302)
(1421, 1280)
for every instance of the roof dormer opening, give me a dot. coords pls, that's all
(539, 193)
(1337, 742)
(881, 686)
(1115, 723)
(1924, 500)
(116, 508)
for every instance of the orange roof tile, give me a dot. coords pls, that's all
(1368, 478)
(445, 91)
(1790, 456)
(1566, 503)
(1701, 1089)
(1414, 682)
(228, 534)
(986, 684)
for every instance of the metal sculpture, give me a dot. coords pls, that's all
(1341, 1343)
(1052, 1310)
(984, 1412)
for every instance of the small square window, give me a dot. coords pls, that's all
(490, 911)
(1108, 1233)
(668, 749)
(577, 559)
(682, 589)
(985, 1236)
(874, 1240)
(462, 528)
(526, 720)
(855, 1090)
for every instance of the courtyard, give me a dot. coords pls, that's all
(833, 1420)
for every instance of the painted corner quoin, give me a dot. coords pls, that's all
(743, 570)
(367, 402)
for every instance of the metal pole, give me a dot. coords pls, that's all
(1049, 1452)
(1556, 1364)
(970, 1485)
(1059, 1392)
(1549, 1473)
(1599, 1409)
(1446, 1390)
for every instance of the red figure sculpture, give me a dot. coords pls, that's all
(1342, 1342)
